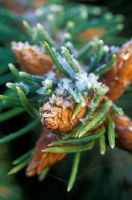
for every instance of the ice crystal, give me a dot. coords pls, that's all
(59, 101)
(114, 49)
(53, 106)
(67, 83)
(40, 91)
(84, 81)
(23, 45)
(81, 84)
(66, 66)
(49, 79)
(125, 56)
(23, 86)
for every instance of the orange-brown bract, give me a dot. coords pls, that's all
(32, 59)
(41, 160)
(63, 119)
(123, 131)
(120, 76)
(91, 33)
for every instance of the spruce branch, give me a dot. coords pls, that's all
(77, 107)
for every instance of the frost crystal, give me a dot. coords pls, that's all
(66, 66)
(20, 46)
(50, 110)
(63, 85)
(49, 79)
(23, 86)
(127, 47)
(114, 49)
(88, 82)
(59, 101)
(40, 91)
(81, 83)
(47, 83)
(125, 56)
(50, 75)
(67, 83)
(84, 81)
